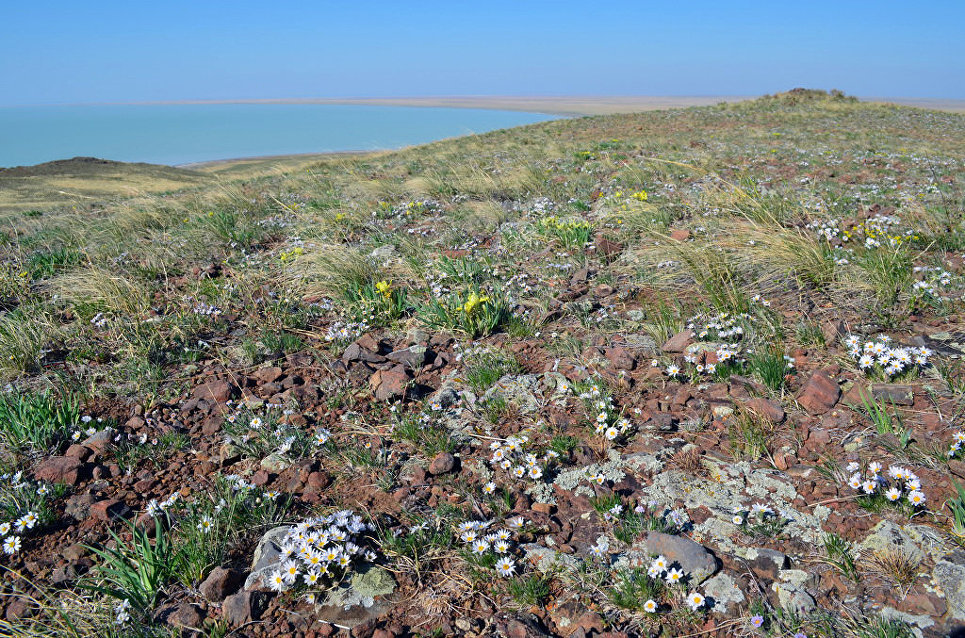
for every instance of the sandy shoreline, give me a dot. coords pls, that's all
(569, 106)
(566, 106)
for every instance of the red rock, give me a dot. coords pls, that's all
(260, 478)
(442, 463)
(78, 452)
(59, 469)
(783, 460)
(818, 437)
(770, 410)
(244, 607)
(620, 358)
(819, 394)
(544, 508)
(956, 467)
(607, 247)
(186, 616)
(893, 393)
(389, 384)
(217, 390)
(108, 510)
(221, 583)
(680, 234)
(370, 343)
(317, 481)
(516, 629)
(267, 375)
(679, 341)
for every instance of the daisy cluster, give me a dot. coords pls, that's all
(724, 326)
(662, 571)
(89, 426)
(877, 231)
(900, 482)
(320, 551)
(758, 511)
(240, 491)
(485, 545)
(956, 447)
(259, 436)
(932, 279)
(881, 355)
(342, 331)
(871, 233)
(511, 455)
(608, 420)
(206, 310)
(21, 509)
(660, 568)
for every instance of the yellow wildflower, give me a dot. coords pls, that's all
(384, 289)
(474, 302)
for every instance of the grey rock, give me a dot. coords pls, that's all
(275, 463)
(413, 357)
(724, 593)
(244, 607)
(99, 441)
(266, 557)
(793, 597)
(547, 560)
(366, 597)
(916, 623)
(519, 390)
(893, 393)
(383, 254)
(950, 576)
(355, 352)
(446, 396)
(887, 537)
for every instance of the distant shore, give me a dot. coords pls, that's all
(567, 105)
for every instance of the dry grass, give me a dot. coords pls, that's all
(106, 290)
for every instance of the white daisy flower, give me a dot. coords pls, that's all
(695, 600)
(11, 545)
(505, 566)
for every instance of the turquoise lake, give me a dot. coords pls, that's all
(184, 133)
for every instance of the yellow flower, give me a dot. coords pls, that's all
(474, 302)
(384, 289)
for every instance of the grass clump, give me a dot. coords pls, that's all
(633, 587)
(529, 590)
(473, 312)
(571, 234)
(133, 571)
(36, 421)
(484, 367)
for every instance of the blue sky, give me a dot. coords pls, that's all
(105, 51)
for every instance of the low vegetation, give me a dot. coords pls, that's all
(685, 372)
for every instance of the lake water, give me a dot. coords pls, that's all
(185, 133)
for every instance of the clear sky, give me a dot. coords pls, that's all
(141, 50)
